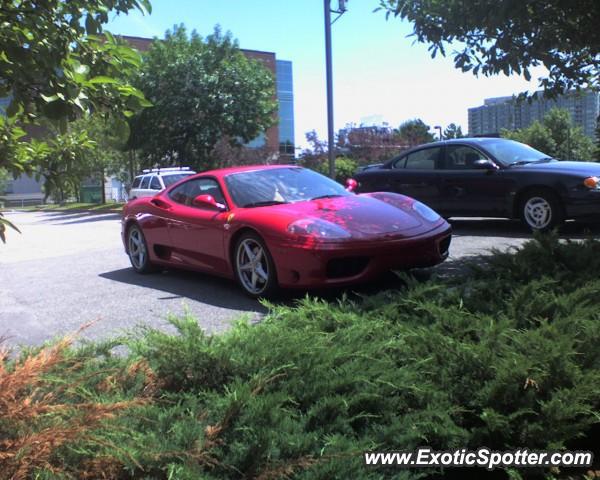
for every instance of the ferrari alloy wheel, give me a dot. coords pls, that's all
(254, 267)
(541, 211)
(138, 251)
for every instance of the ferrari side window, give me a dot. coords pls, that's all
(186, 192)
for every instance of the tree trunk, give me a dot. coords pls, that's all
(102, 186)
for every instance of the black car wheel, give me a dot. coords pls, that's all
(138, 250)
(541, 210)
(254, 267)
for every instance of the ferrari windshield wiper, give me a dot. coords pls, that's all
(331, 195)
(265, 203)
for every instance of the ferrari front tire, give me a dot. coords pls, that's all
(254, 266)
(137, 250)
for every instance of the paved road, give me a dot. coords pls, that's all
(68, 269)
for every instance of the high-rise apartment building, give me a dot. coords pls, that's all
(506, 112)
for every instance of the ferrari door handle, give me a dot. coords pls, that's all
(157, 202)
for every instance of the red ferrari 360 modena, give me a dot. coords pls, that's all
(280, 226)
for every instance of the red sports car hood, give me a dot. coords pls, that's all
(360, 215)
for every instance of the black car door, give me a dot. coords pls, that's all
(467, 188)
(417, 175)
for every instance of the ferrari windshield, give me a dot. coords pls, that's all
(509, 152)
(280, 185)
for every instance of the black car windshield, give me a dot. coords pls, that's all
(509, 152)
(175, 177)
(280, 185)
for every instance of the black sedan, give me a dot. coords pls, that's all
(490, 177)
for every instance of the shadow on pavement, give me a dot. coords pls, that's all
(66, 217)
(94, 217)
(499, 227)
(199, 287)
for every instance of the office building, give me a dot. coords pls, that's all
(507, 113)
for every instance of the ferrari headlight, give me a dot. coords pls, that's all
(317, 228)
(425, 212)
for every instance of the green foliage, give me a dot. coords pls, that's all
(505, 357)
(516, 37)
(415, 132)
(344, 167)
(453, 131)
(4, 178)
(13, 158)
(54, 62)
(60, 160)
(3, 224)
(203, 90)
(555, 135)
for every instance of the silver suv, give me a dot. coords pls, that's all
(156, 179)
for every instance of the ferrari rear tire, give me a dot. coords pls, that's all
(137, 249)
(254, 266)
(541, 210)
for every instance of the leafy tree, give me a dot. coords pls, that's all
(453, 131)
(106, 155)
(555, 135)
(55, 63)
(12, 158)
(368, 145)
(511, 36)
(203, 90)
(415, 132)
(59, 160)
(4, 178)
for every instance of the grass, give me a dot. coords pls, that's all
(505, 357)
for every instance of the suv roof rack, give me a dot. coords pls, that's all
(162, 169)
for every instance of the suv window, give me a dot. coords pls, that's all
(155, 184)
(136, 182)
(174, 178)
(426, 159)
(145, 182)
(186, 192)
(462, 157)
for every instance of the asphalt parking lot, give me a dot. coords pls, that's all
(66, 269)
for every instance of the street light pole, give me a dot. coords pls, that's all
(328, 68)
(439, 128)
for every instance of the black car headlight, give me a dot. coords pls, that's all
(593, 183)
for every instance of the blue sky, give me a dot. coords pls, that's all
(379, 73)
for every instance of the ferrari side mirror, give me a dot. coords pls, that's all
(351, 184)
(208, 201)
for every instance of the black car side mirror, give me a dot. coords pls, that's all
(483, 164)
